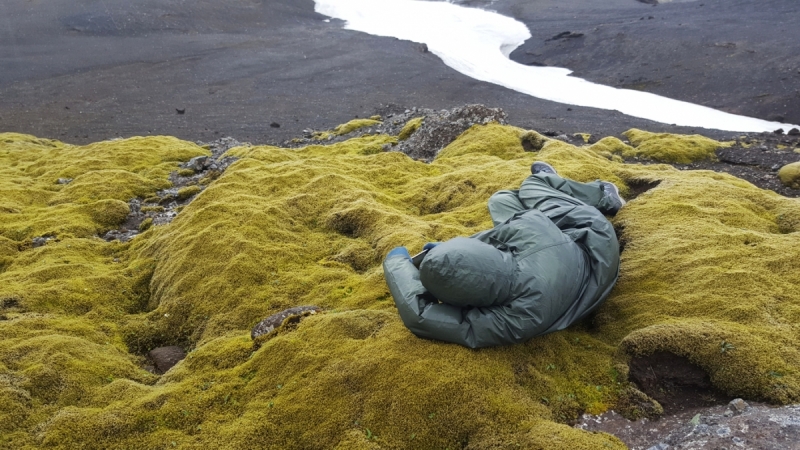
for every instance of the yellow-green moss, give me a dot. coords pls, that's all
(146, 224)
(493, 139)
(323, 135)
(106, 175)
(410, 128)
(354, 125)
(670, 147)
(533, 141)
(188, 191)
(790, 175)
(584, 136)
(708, 258)
(186, 172)
(146, 209)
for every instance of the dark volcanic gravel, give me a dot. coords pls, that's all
(84, 71)
(757, 159)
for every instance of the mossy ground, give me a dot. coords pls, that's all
(670, 148)
(790, 175)
(710, 272)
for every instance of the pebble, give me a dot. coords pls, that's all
(738, 406)
(64, 181)
(197, 163)
(164, 358)
(274, 321)
(39, 241)
(723, 432)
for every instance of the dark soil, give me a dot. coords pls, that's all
(673, 381)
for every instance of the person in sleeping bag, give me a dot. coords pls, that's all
(550, 260)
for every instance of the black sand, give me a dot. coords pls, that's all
(87, 70)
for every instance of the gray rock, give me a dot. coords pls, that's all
(64, 181)
(39, 241)
(166, 357)
(660, 446)
(274, 321)
(738, 406)
(197, 163)
(702, 429)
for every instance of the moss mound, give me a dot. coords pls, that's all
(354, 125)
(790, 175)
(670, 148)
(709, 272)
(410, 128)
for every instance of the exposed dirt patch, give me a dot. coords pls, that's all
(674, 382)
(639, 187)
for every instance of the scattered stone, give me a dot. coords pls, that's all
(198, 163)
(565, 35)
(64, 181)
(39, 241)
(439, 129)
(794, 132)
(180, 111)
(274, 321)
(164, 207)
(659, 446)
(275, 125)
(778, 131)
(165, 357)
(755, 426)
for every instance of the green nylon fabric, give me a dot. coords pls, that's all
(550, 260)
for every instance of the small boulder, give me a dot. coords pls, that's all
(738, 406)
(794, 132)
(198, 163)
(166, 357)
(790, 175)
(39, 241)
(274, 321)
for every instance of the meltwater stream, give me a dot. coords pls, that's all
(477, 43)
